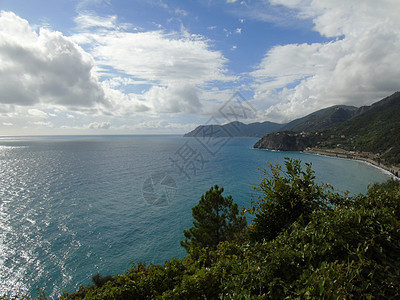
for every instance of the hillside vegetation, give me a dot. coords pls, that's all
(305, 241)
(377, 130)
(374, 129)
(322, 119)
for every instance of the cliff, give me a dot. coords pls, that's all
(284, 141)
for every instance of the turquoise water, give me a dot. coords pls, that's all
(74, 206)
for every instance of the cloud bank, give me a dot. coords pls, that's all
(176, 66)
(357, 67)
(113, 75)
(106, 69)
(44, 68)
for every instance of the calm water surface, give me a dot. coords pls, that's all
(74, 206)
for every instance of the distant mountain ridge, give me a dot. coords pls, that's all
(318, 120)
(235, 129)
(373, 129)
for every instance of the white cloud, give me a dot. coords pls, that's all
(88, 20)
(44, 67)
(99, 125)
(227, 32)
(181, 12)
(238, 30)
(158, 57)
(174, 68)
(175, 98)
(342, 17)
(267, 11)
(163, 126)
(42, 124)
(38, 113)
(358, 68)
(45, 75)
(124, 104)
(85, 3)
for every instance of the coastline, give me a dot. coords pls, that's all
(366, 157)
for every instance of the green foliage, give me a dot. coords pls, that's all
(99, 280)
(385, 195)
(321, 119)
(340, 253)
(216, 219)
(376, 130)
(140, 282)
(285, 199)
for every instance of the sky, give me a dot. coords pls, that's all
(164, 67)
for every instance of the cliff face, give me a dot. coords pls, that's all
(283, 141)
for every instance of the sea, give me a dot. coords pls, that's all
(74, 206)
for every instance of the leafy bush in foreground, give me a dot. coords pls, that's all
(289, 197)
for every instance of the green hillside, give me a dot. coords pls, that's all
(371, 129)
(321, 119)
(376, 130)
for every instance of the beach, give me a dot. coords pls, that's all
(367, 157)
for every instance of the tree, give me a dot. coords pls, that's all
(286, 198)
(216, 219)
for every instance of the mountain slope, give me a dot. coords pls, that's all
(321, 119)
(318, 120)
(374, 129)
(235, 129)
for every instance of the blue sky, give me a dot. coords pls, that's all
(151, 67)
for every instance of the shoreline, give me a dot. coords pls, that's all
(365, 157)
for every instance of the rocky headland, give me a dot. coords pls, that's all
(283, 141)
